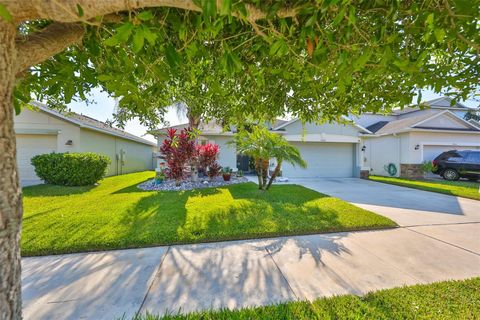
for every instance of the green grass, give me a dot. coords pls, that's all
(454, 188)
(116, 214)
(442, 300)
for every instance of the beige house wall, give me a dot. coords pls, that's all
(126, 156)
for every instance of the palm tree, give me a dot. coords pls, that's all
(263, 145)
(283, 151)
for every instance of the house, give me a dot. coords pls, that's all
(362, 145)
(411, 136)
(42, 130)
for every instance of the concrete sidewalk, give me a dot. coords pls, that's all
(436, 242)
(237, 274)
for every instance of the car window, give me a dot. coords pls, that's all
(473, 157)
(454, 157)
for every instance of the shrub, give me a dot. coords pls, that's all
(71, 169)
(178, 150)
(207, 159)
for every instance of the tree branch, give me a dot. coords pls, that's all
(38, 47)
(68, 10)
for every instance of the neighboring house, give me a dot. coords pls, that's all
(411, 136)
(44, 130)
(405, 138)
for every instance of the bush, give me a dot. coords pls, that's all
(71, 169)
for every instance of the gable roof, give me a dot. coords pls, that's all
(439, 103)
(413, 122)
(90, 123)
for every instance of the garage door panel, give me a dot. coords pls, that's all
(29, 146)
(323, 160)
(431, 152)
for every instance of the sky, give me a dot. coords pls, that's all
(103, 108)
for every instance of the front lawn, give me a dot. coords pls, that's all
(442, 300)
(116, 214)
(454, 188)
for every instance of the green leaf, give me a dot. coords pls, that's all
(173, 58)
(104, 77)
(278, 48)
(339, 16)
(226, 7)
(79, 10)
(439, 34)
(4, 13)
(352, 19)
(429, 21)
(149, 35)
(138, 40)
(124, 32)
(145, 15)
(209, 8)
(362, 60)
(17, 105)
(112, 41)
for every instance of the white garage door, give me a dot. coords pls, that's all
(431, 152)
(323, 160)
(29, 146)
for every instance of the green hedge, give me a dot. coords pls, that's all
(71, 169)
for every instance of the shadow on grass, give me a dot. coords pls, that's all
(50, 190)
(226, 213)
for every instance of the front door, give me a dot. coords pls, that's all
(243, 163)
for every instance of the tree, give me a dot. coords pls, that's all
(263, 145)
(309, 58)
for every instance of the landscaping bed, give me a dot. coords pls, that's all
(442, 300)
(171, 185)
(463, 189)
(117, 214)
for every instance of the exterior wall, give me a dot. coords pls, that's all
(445, 121)
(228, 153)
(381, 151)
(31, 120)
(137, 156)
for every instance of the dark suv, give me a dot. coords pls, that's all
(453, 164)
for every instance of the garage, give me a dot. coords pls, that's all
(29, 145)
(430, 152)
(334, 160)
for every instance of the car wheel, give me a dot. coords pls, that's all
(451, 175)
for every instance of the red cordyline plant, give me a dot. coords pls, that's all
(207, 159)
(178, 150)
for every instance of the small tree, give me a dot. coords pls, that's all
(178, 150)
(263, 145)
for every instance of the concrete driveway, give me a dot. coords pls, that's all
(439, 240)
(406, 206)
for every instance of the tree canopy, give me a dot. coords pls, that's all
(313, 59)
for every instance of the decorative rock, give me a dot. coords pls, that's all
(170, 185)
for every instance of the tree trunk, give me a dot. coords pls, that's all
(275, 173)
(10, 192)
(258, 168)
